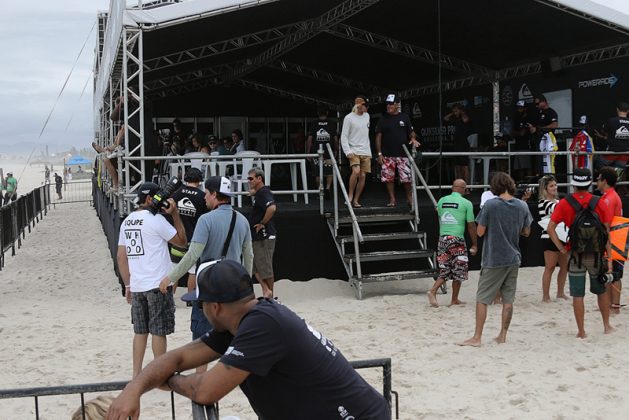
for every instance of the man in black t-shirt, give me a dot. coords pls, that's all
(542, 128)
(191, 205)
(262, 230)
(321, 133)
(616, 133)
(462, 129)
(286, 368)
(522, 136)
(393, 130)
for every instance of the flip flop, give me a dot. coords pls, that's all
(391, 204)
(356, 205)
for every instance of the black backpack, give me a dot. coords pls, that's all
(587, 234)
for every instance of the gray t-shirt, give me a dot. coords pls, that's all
(212, 229)
(504, 221)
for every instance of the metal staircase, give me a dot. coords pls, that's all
(367, 239)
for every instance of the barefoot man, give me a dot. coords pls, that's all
(501, 221)
(455, 213)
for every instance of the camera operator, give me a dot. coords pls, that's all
(143, 261)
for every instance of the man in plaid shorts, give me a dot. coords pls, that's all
(143, 260)
(455, 213)
(393, 130)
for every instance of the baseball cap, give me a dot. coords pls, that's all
(583, 119)
(146, 189)
(581, 177)
(520, 103)
(392, 98)
(219, 184)
(193, 175)
(221, 281)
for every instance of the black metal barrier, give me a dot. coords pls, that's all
(18, 215)
(198, 412)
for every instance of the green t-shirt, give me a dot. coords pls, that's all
(11, 184)
(455, 212)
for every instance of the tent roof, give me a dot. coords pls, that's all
(329, 50)
(78, 160)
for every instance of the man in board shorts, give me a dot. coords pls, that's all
(455, 213)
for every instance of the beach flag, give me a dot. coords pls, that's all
(619, 238)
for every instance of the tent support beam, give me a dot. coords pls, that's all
(335, 15)
(405, 49)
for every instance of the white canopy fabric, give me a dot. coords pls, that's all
(613, 11)
(193, 9)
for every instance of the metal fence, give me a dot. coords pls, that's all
(17, 216)
(78, 191)
(198, 412)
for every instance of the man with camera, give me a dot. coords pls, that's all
(142, 261)
(591, 258)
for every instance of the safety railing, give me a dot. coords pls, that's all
(337, 182)
(74, 191)
(217, 165)
(199, 412)
(17, 216)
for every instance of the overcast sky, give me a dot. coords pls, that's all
(40, 41)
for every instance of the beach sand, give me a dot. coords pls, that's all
(64, 321)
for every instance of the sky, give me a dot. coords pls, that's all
(40, 41)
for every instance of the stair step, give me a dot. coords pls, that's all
(396, 275)
(390, 255)
(389, 236)
(375, 218)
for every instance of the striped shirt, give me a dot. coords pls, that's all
(545, 208)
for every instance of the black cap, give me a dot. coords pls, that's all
(392, 98)
(221, 282)
(146, 189)
(581, 177)
(193, 175)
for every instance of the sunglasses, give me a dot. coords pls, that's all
(250, 178)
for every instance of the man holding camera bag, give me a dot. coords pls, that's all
(143, 260)
(589, 218)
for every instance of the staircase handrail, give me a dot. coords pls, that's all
(337, 175)
(421, 179)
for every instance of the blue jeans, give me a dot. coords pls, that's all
(199, 325)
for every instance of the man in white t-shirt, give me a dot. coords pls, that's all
(143, 260)
(355, 143)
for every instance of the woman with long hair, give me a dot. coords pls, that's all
(548, 199)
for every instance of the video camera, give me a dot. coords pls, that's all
(160, 199)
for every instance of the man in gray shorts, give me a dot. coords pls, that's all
(142, 261)
(501, 221)
(262, 230)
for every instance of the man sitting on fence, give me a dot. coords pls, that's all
(286, 368)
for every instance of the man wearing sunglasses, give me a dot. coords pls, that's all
(262, 230)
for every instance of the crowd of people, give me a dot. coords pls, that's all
(197, 240)
(281, 363)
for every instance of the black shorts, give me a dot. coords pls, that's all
(548, 245)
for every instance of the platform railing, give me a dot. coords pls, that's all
(199, 412)
(235, 160)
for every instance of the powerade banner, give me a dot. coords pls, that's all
(595, 89)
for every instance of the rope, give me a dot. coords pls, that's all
(57, 100)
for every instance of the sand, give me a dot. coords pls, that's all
(63, 321)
